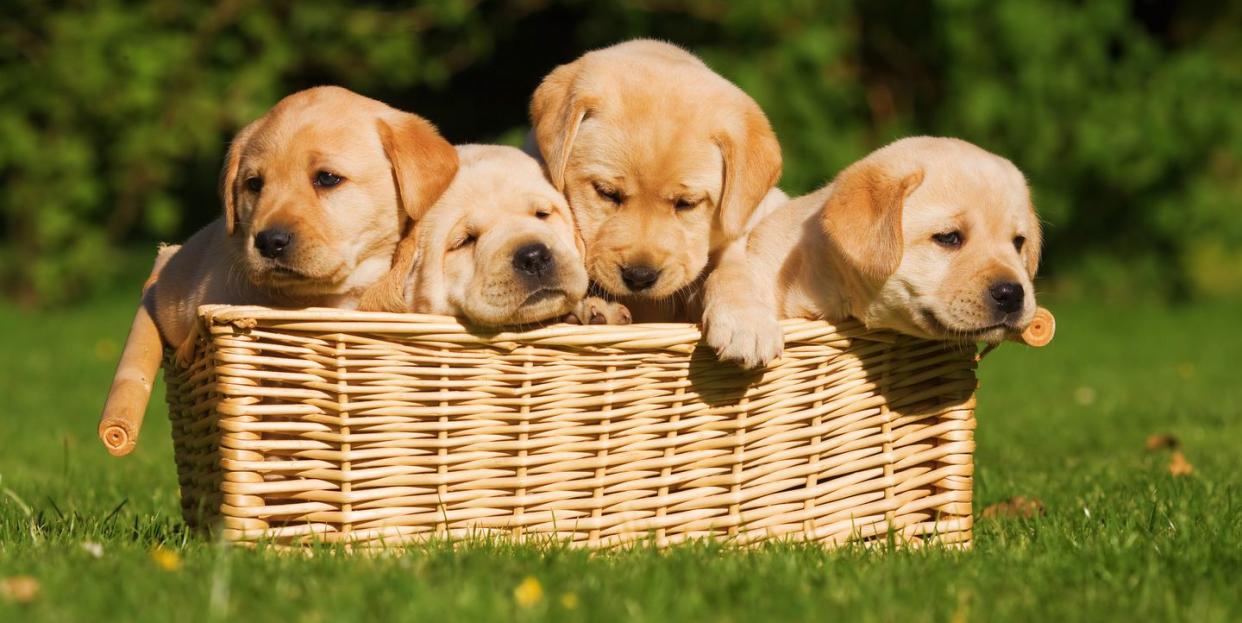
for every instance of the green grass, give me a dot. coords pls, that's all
(1122, 539)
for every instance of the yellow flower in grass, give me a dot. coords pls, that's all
(1186, 370)
(569, 601)
(528, 593)
(166, 559)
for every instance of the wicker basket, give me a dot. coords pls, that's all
(293, 427)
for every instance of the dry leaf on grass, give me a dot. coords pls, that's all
(1160, 442)
(21, 589)
(1179, 466)
(1085, 396)
(1017, 506)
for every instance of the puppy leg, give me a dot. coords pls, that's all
(739, 312)
(595, 310)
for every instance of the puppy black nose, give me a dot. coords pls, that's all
(533, 259)
(639, 278)
(1007, 296)
(272, 243)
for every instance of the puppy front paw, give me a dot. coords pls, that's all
(595, 310)
(748, 335)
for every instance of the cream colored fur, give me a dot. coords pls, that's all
(866, 247)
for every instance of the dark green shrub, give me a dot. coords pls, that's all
(115, 115)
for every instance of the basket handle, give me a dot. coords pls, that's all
(126, 405)
(1040, 331)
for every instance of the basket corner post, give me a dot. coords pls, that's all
(120, 422)
(124, 409)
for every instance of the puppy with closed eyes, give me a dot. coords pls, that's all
(663, 162)
(317, 193)
(931, 237)
(498, 248)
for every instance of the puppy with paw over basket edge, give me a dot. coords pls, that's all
(931, 237)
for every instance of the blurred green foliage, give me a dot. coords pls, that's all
(114, 116)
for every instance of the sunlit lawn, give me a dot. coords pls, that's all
(1122, 539)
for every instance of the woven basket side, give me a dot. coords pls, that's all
(295, 430)
(191, 397)
(930, 421)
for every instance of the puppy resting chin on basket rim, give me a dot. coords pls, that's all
(931, 237)
(662, 160)
(499, 247)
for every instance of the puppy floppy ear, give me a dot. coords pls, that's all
(390, 293)
(1034, 245)
(862, 217)
(423, 163)
(752, 166)
(228, 175)
(556, 113)
(579, 241)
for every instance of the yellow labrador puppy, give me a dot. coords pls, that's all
(931, 237)
(499, 247)
(316, 193)
(663, 162)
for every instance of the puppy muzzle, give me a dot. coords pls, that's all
(534, 261)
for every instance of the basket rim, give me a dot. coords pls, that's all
(631, 336)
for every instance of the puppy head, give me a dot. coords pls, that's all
(935, 238)
(500, 246)
(662, 160)
(317, 192)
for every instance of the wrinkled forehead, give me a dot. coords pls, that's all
(508, 184)
(983, 194)
(483, 208)
(488, 195)
(662, 154)
(345, 142)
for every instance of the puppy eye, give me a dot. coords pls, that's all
(255, 184)
(608, 193)
(951, 239)
(464, 242)
(1018, 242)
(686, 204)
(542, 214)
(327, 179)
